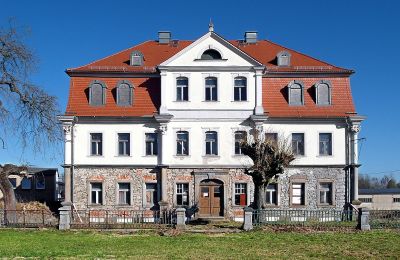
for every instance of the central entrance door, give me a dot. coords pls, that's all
(211, 198)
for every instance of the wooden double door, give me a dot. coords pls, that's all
(211, 199)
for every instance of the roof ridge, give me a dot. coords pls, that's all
(111, 55)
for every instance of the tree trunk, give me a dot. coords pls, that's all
(259, 196)
(10, 203)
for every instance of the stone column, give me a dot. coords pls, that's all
(248, 218)
(180, 218)
(363, 219)
(163, 106)
(355, 128)
(259, 110)
(67, 186)
(65, 218)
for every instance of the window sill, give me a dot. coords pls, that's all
(239, 155)
(324, 156)
(150, 155)
(181, 156)
(211, 60)
(238, 206)
(96, 205)
(96, 156)
(181, 101)
(211, 101)
(326, 205)
(123, 156)
(123, 205)
(240, 101)
(211, 156)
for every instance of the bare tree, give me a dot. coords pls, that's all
(27, 112)
(270, 158)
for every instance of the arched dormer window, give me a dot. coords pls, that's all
(211, 54)
(323, 93)
(283, 59)
(137, 58)
(124, 93)
(296, 93)
(97, 93)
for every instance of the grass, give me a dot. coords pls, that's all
(381, 244)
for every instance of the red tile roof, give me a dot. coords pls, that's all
(147, 89)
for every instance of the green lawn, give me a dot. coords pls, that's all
(250, 245)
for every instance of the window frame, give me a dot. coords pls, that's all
(131, 92)
(205, 143)
(303, 183)
(176, 89)
(129, 145)
(155, 197)
(16, 182)
(206, 86)
(234, 142)
(279, 58)
(332, 195)
(37, 181)
(90, 145)
(145, 144)
(182, 193)
(136, 53)
(187, 142)
(317, 85)
(129, 192)
(235, 87)
(246, 192)
(22, 183)
(331, 144)
(304, 144)
(212, 59)
(290, 87)
(276, 195)
(103, 88)
(90, 197)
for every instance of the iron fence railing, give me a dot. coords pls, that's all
(27, 218)
(384, 219)
(122, 219)
(325, 218)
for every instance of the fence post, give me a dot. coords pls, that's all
(180, 218)
(65, 217)
(248, 218)
(363, 219)
(163, 211)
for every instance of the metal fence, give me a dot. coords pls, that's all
(384, 219)
(27, 218)
(312, 218)
(122, 219)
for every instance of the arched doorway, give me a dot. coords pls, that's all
(211, 198)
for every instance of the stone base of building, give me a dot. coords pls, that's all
(206, 193)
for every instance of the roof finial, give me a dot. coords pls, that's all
(211, 26)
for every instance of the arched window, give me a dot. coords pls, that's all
(97, 93)
(323, 92)
(136, 58)
(211, 54)
(182, 143)
(124, 93)
(211, 89)
(182, 89)
(283, 58)
(240, 89)
(296, 93)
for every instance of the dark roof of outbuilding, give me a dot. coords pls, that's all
(378, 191)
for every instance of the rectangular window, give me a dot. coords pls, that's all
(211, 143)
(396, 200)
(271, 194)
(124, 193)
(151, 144)
(26, 183)
(240, 89)
(182, 143)
(240, 194)
(124, 144)
(298, 194)
(96, 141)
(211, 89)
(325, 144)
(96, 189)
(366, 200)
(40, 182)
(240, 136)
(325, 193)
(182, 194)
(182, 89)
(13, 182)
(151, 194)
(271, 137)
(298, 143)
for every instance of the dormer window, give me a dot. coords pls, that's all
(323, 93)
(136, 58)
(97, 93)
(283, 59)
(296, 93)
(211, 55)
(124, 93)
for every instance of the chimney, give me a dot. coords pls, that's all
(250, 37)
(164, 37)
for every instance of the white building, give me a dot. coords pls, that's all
(159, 124)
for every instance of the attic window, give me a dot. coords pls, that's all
(323, 92)
(97, 93)
(296, 93)
(283, 59)
(211, 55)
(136, 58)
(124, 93)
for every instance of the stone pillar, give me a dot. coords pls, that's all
(164, 194)
(363, 219)
(259, 110)
(248, 218)
(180, 218)
(163, 106)
(65, 218)
(355, 128)
(67, 186)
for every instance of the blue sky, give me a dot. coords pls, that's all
(360, 35)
